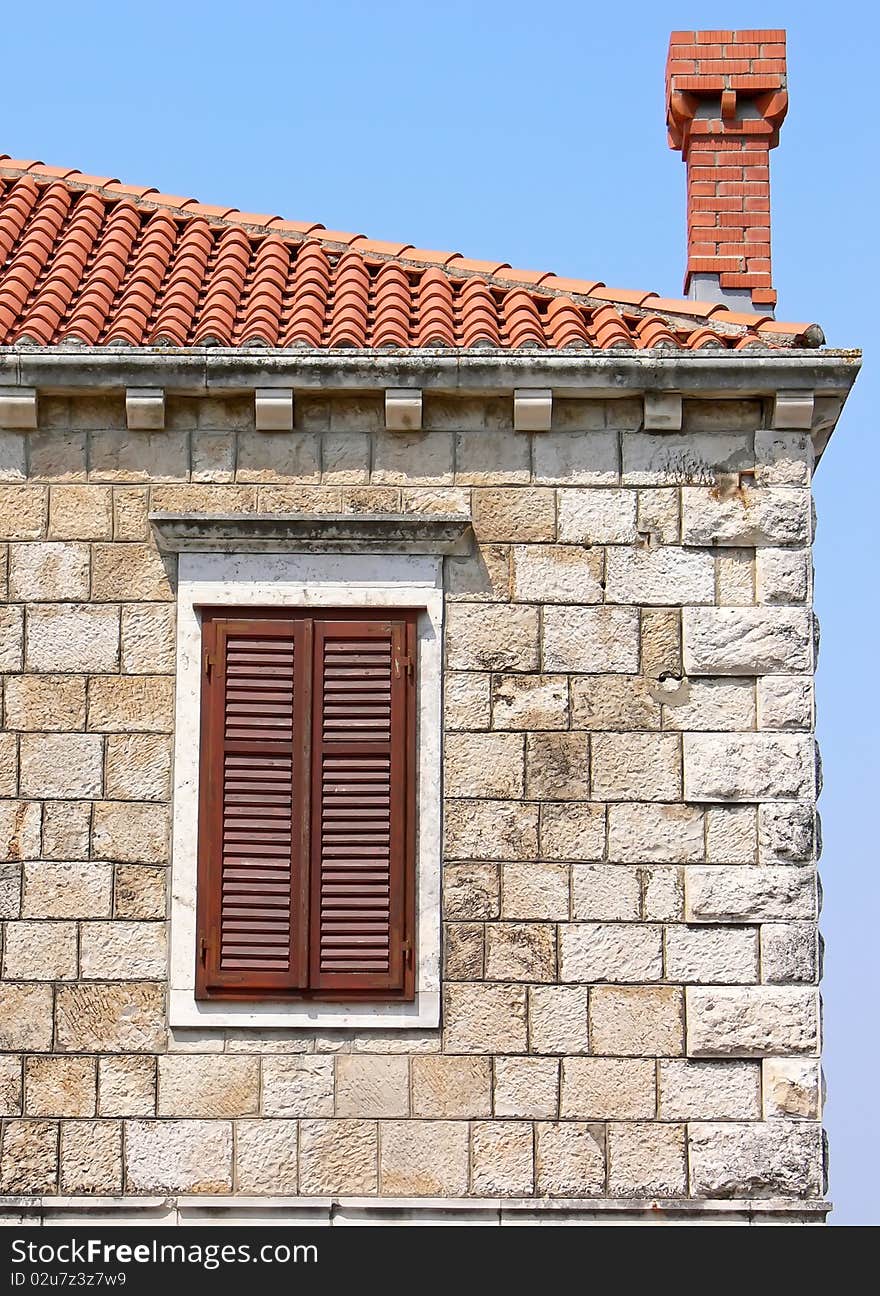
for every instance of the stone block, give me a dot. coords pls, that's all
(569, 1159)
(122, 951)
(280, 457)
(423, 1158)
(597, 517)
(482, 576)
(663, 894)
(8, 764)
(793, 1088)
(118, 456)
(526, 1088)
(212, 455)
(471, 891)
(131, 703)
(748, 767)
(735, 576)
(655, 834)
(615, 702)
(605, 893)
(557, 574)
(189, 1156)
(598, 1089)
(138, 767)
(345, 458)
(484, 1018)
(10, 1086)
(148, 639)
(463, 951)
(266, 1157)
(743, 515)
(660, 642)
(502, 1158)
(456, 1087)
(122, 1017)
(789, 952)
(559, 1019)
(43, 572)
(338, 1157)
(577, 458)
(10, 890)
(55, 453)
(298, 1086)
(659, 515)
(19, 829)
(40, 951)
(712, 955)
(635, 766)
(520, 951)
(692, 1090)
(694, 458)
(29, 1157)
(637, 1021)
(371, 499)
(606, 951)
(139, 891)
(215, 1086)
(514, 513)
(747, 641)
(45, 702)
(59, 1086)
(372, 1086)
(127, 572)
(72, 637)
(783, 458)
(785, 702)
(132, 832)
(11, 638)
(591, 640)
(529, 701)
(755, 1160)
(732, 834)
(708, 704)
(67, 889)
(127, 1086)
(80, 513)
(492, 458)
(466, 701)
(734, 893)
(663, 576)
(483, 765)
(572, 831)
(66, 829)
(25, 1017)
(61, 765)
(91, 1157)
(647, 1160)
(752, 1021)
(558, 766)
(410, 458)
(130, 509)
(490, 830)
(491, 638)
(787, 833)
(782, 576)
(535, 891)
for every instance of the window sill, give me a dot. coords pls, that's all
(422, 1013)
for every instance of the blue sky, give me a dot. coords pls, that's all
(535, 133)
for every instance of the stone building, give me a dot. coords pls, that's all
(407, 774)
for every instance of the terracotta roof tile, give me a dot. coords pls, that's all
(88, 259)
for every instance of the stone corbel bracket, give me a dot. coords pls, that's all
(18, 407)
(385, 533)
(273, 409)
(793, 410)
(532, 409)
(403, 409)
(145, 409)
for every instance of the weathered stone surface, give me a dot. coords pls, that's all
(655, 834)
(660, 642)
(266, 1157)
(636, 1021)
(125, 1017)
(720, 955)
(482, 576)
(281, 456)
(787, 832)
(190, 1085)
(557, 574)
(424, 1158)
(372, 1086)
(25, 1017)
(527, 1087)
(792, 1087)
(597, 517)
(457, 1087)
(659, 576)
(659, 515)
(61, 765)
(66, 829)
(742, 515)
(490, 830)
(747, 641)
(524, 951)
(559, 1019)
(605, 893)
(122, 951)
(10, 1086)
(606, 951)
(502, 1158)
(782, 575)
(598, 1089)
(10, 890)
(11, 638)
(23, 512)
(735, 577)
(131, 703)
(91, 1157)
(193, 1156)
(747, 894)
(690, 1090)
(483, 765)
(80, 513)
(127, 1086)
(751, 1021)
(139, 891)
(59, 1086)
(8, 764)
(131, 831)
(635, 767)
(687, 460)
(148, 638)
(491, 638)
(529, 702)
(576, 458)
(29, 1157)
(471, 891)
(558, 766)
(338, 1156)
(663, 894)
(67, 889)
(755, 1160)
(570, 1160)
(123, 572)
(72, 637)
(466, 702)
(298, 1086)
(783, 458)
(708, 704)
(592, 640)
(492, 457)
(785, 702)
(748, 767)
(121, 456)
(512, 513)
(572, 831)
(646, 1160)
(138, 767)
(535, 891)
(19, 829)
(45, 702)
(39, 951)
(789, 952)
(484, 1018)
(43, 572)
(130, 508)
(616, 702)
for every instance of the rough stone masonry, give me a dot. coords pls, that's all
(630, 959)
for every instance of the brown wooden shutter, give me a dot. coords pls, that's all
(253, 827)
(362, 787)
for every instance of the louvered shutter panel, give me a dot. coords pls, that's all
(253, 905)
(361, 816)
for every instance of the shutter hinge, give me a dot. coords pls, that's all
(404, 665)
(407, 948)
(210, 663)
(203, 951)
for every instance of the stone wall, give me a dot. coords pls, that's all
(630, 952)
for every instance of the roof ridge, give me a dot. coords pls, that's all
(638, 305)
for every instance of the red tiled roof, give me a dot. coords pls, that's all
(87, 260)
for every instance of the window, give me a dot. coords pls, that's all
(307, 818)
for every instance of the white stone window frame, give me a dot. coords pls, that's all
(308, 581)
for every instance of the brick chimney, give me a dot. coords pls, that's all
(726, 98)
